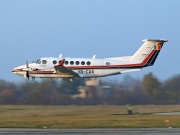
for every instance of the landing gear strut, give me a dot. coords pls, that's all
(33, 79)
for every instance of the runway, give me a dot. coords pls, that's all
(141, 131)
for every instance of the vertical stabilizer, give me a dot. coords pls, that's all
(148, 52)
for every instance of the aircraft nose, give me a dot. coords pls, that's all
(16, 69)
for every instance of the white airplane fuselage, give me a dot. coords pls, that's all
(52, 67)
(83, 66)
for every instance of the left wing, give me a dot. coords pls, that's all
(60, 69)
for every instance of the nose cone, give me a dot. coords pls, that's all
(18, 70)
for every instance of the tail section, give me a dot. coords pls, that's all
(148, 52)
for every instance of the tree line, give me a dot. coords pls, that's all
(149, 90)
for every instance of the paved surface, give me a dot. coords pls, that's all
(149, 131)
(171, 113)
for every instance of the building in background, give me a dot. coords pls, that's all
(92, 89)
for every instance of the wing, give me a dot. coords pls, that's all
(60, 69)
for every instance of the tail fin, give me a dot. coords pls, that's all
(148, 52)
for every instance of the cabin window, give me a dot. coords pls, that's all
(82, 63)
(72, 62)
(66, 62)
(44, 61)
(88, 63)
(108, 63)
(77, 62)
(54, 61)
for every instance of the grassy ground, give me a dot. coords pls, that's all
(87, 117)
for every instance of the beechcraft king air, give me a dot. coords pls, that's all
(51, 67)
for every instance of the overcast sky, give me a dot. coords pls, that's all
(81, 28)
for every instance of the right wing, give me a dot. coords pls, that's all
(60, 69)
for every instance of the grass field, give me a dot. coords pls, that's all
(87, 117)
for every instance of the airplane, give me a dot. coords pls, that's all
(58, 67)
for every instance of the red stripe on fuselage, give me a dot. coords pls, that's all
(94, 67)
(115, 66)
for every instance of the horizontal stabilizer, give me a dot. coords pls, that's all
(155, 40)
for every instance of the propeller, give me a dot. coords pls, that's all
(27, 75)
(27, 70)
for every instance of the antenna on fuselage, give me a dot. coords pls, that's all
(60, 56)
(94, 56)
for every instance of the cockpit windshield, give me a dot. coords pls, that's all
(38, 61)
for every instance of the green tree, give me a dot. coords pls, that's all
(171, 89)
(70, 87)
(151, 85)
(43, 93)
